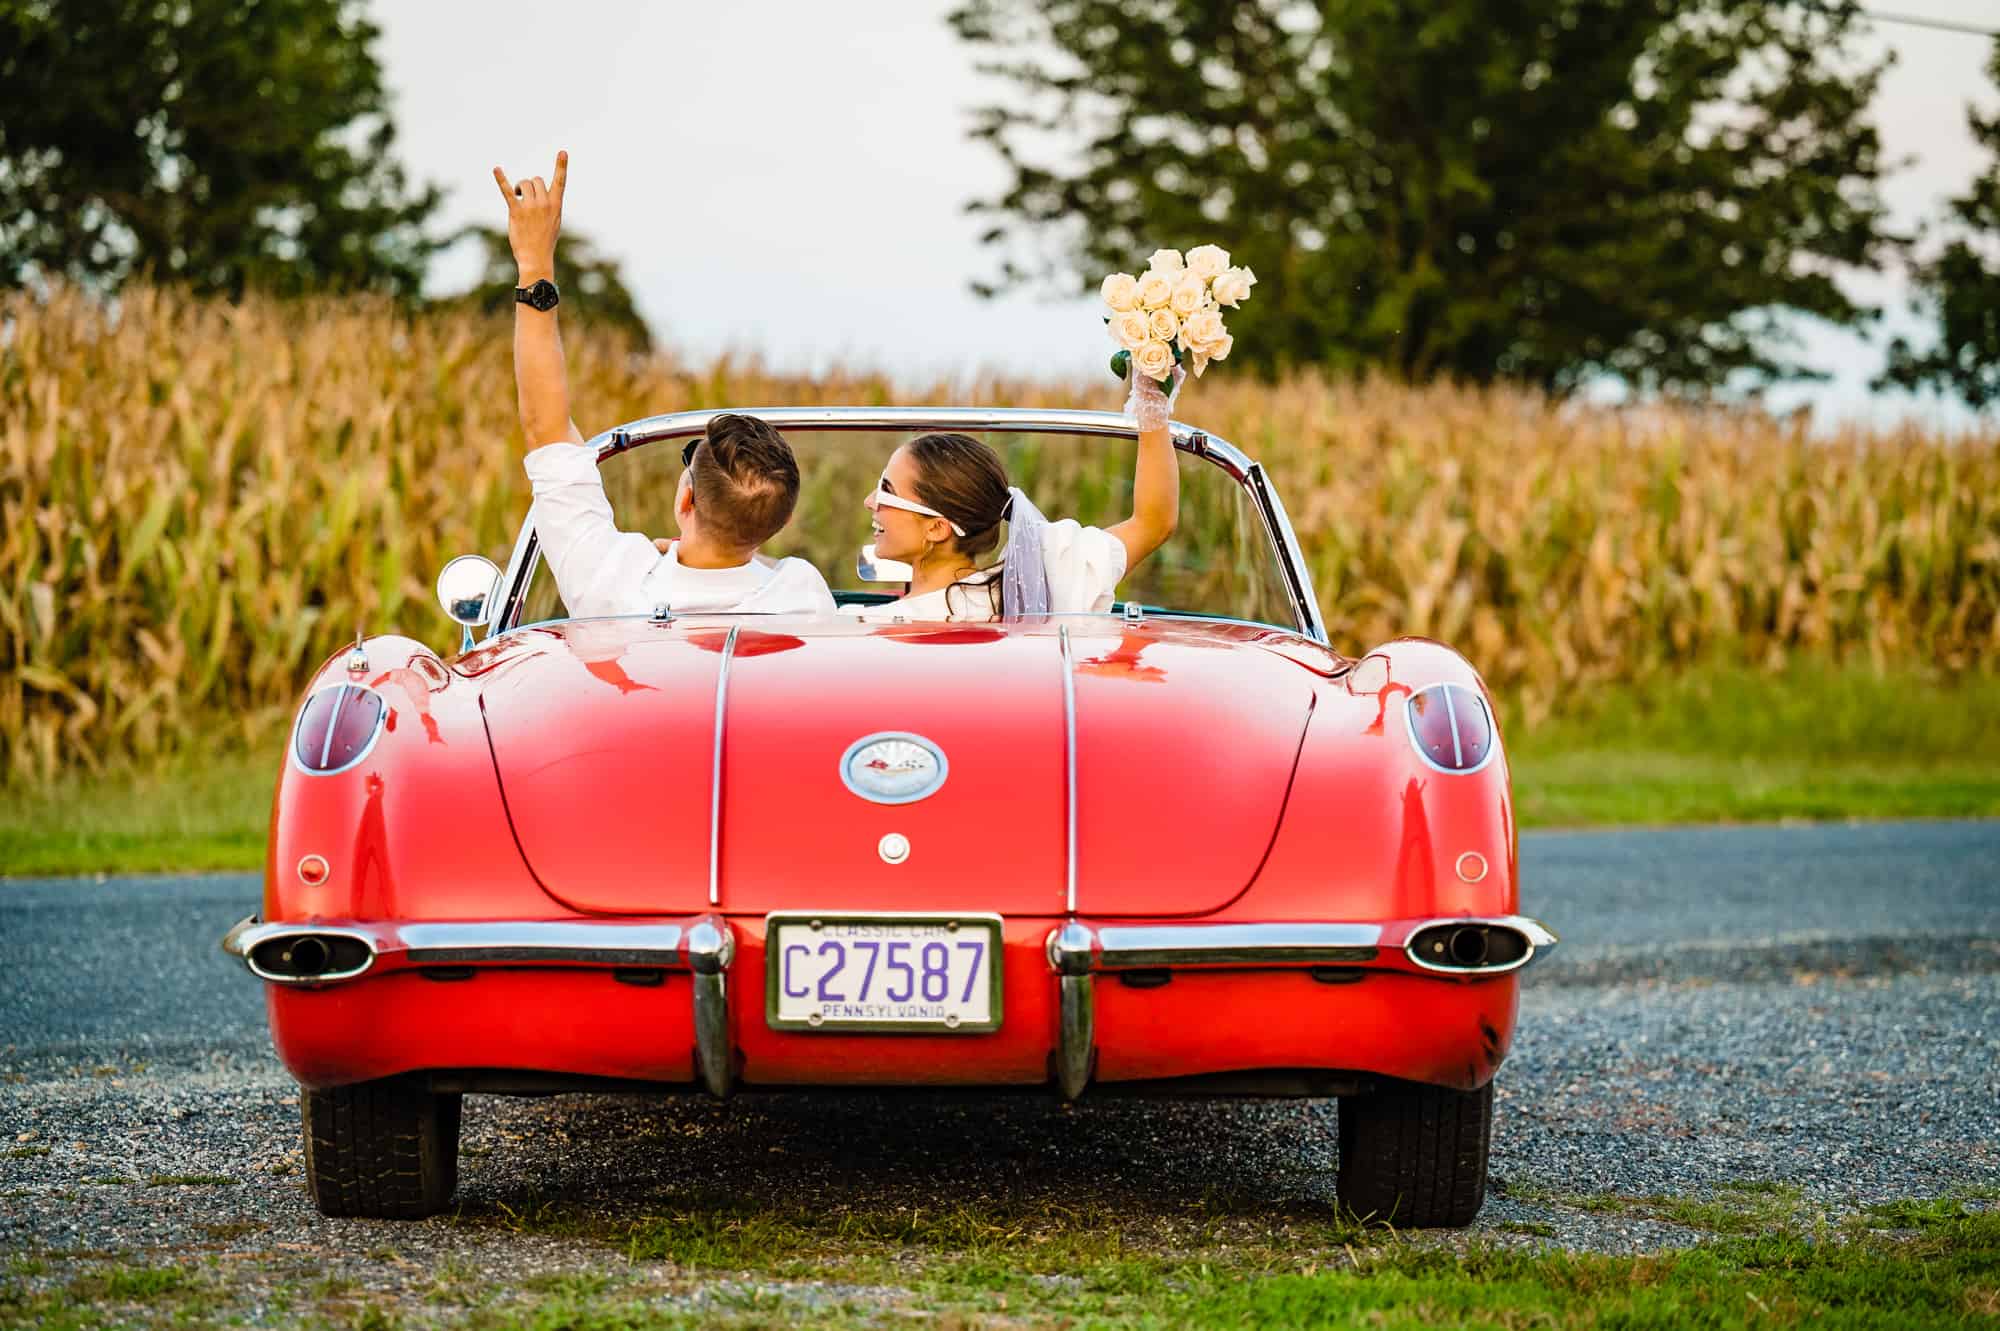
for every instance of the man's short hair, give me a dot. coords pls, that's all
(745, 480)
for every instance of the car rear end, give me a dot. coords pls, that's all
(1152, 858)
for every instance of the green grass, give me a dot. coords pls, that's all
(1728, 744)
(716, 1261)
(1715, 744)
(209, 812)
(976, 1267)
(1756, 1207)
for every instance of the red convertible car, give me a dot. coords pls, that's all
(747, 853)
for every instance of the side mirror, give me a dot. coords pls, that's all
(465, 588)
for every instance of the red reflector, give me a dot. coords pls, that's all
(1451, 727)
(337, 727)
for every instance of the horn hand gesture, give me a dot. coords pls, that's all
(534, 219)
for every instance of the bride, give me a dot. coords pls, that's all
(942, 498)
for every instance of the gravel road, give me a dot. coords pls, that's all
(1813, 1006)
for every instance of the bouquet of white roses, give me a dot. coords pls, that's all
(1172, 314)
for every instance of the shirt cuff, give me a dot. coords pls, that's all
(562, 464)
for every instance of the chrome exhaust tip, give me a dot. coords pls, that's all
(309, 957)
(1474, 947)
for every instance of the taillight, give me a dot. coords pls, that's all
(337, 727)
(1451, 727)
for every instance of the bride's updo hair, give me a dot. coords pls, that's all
(964, 480)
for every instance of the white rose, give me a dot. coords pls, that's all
(1197, 361)
(1155, 290)
(1219, 349)
(1163, 325)
(1202, 330)
(1121, 291)
(1166, 261)
(1155, 360)
(1233, 286)
(1190, 294)
(1207, 261)
(1129, 328)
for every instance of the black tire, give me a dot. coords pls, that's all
(1415, 1155)
(387, 1149)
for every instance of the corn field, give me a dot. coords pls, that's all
(201, 501)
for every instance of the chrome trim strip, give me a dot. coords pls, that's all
(1410, 725)
(326, 743)
(715, 772)
(1019, 420)
(1539, 936)
(1451, 719)
(1137, 946)
(571, 941)
(1069, 762)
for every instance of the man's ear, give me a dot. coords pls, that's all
(683, 497)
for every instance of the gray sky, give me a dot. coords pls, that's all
(785, 177)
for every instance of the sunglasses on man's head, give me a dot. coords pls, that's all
(687, 449)
(884, 497)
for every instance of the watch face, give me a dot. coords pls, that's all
(542, 295)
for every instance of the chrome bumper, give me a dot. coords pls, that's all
(1079, 950)
(703, 946)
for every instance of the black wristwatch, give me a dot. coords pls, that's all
(541, 296)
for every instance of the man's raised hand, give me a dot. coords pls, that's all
(534, 219)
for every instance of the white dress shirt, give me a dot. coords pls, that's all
(1084, 565)
(603, 571)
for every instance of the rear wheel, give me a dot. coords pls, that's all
(1415, 1155)
(380, 1148)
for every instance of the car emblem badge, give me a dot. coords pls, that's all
(893, 767)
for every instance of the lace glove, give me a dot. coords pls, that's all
(1146, 404)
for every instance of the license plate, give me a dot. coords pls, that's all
(882, 973)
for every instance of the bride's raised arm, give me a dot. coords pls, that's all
(1156, 480)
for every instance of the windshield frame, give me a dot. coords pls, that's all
(1237, 465)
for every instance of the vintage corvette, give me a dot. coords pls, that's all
(1181, 849)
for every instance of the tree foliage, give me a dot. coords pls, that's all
(1541, 190)
(222, 144)
(593, 286)
(1959, 286)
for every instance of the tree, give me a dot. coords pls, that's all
(1541, 190)
(1960, 287)
(223, 144)
(593, 285)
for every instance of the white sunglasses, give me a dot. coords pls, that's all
(883, 498)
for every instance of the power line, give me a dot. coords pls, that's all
(1939, 24)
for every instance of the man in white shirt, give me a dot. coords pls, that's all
(736, 492)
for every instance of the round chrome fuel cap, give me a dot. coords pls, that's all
(893, 767)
